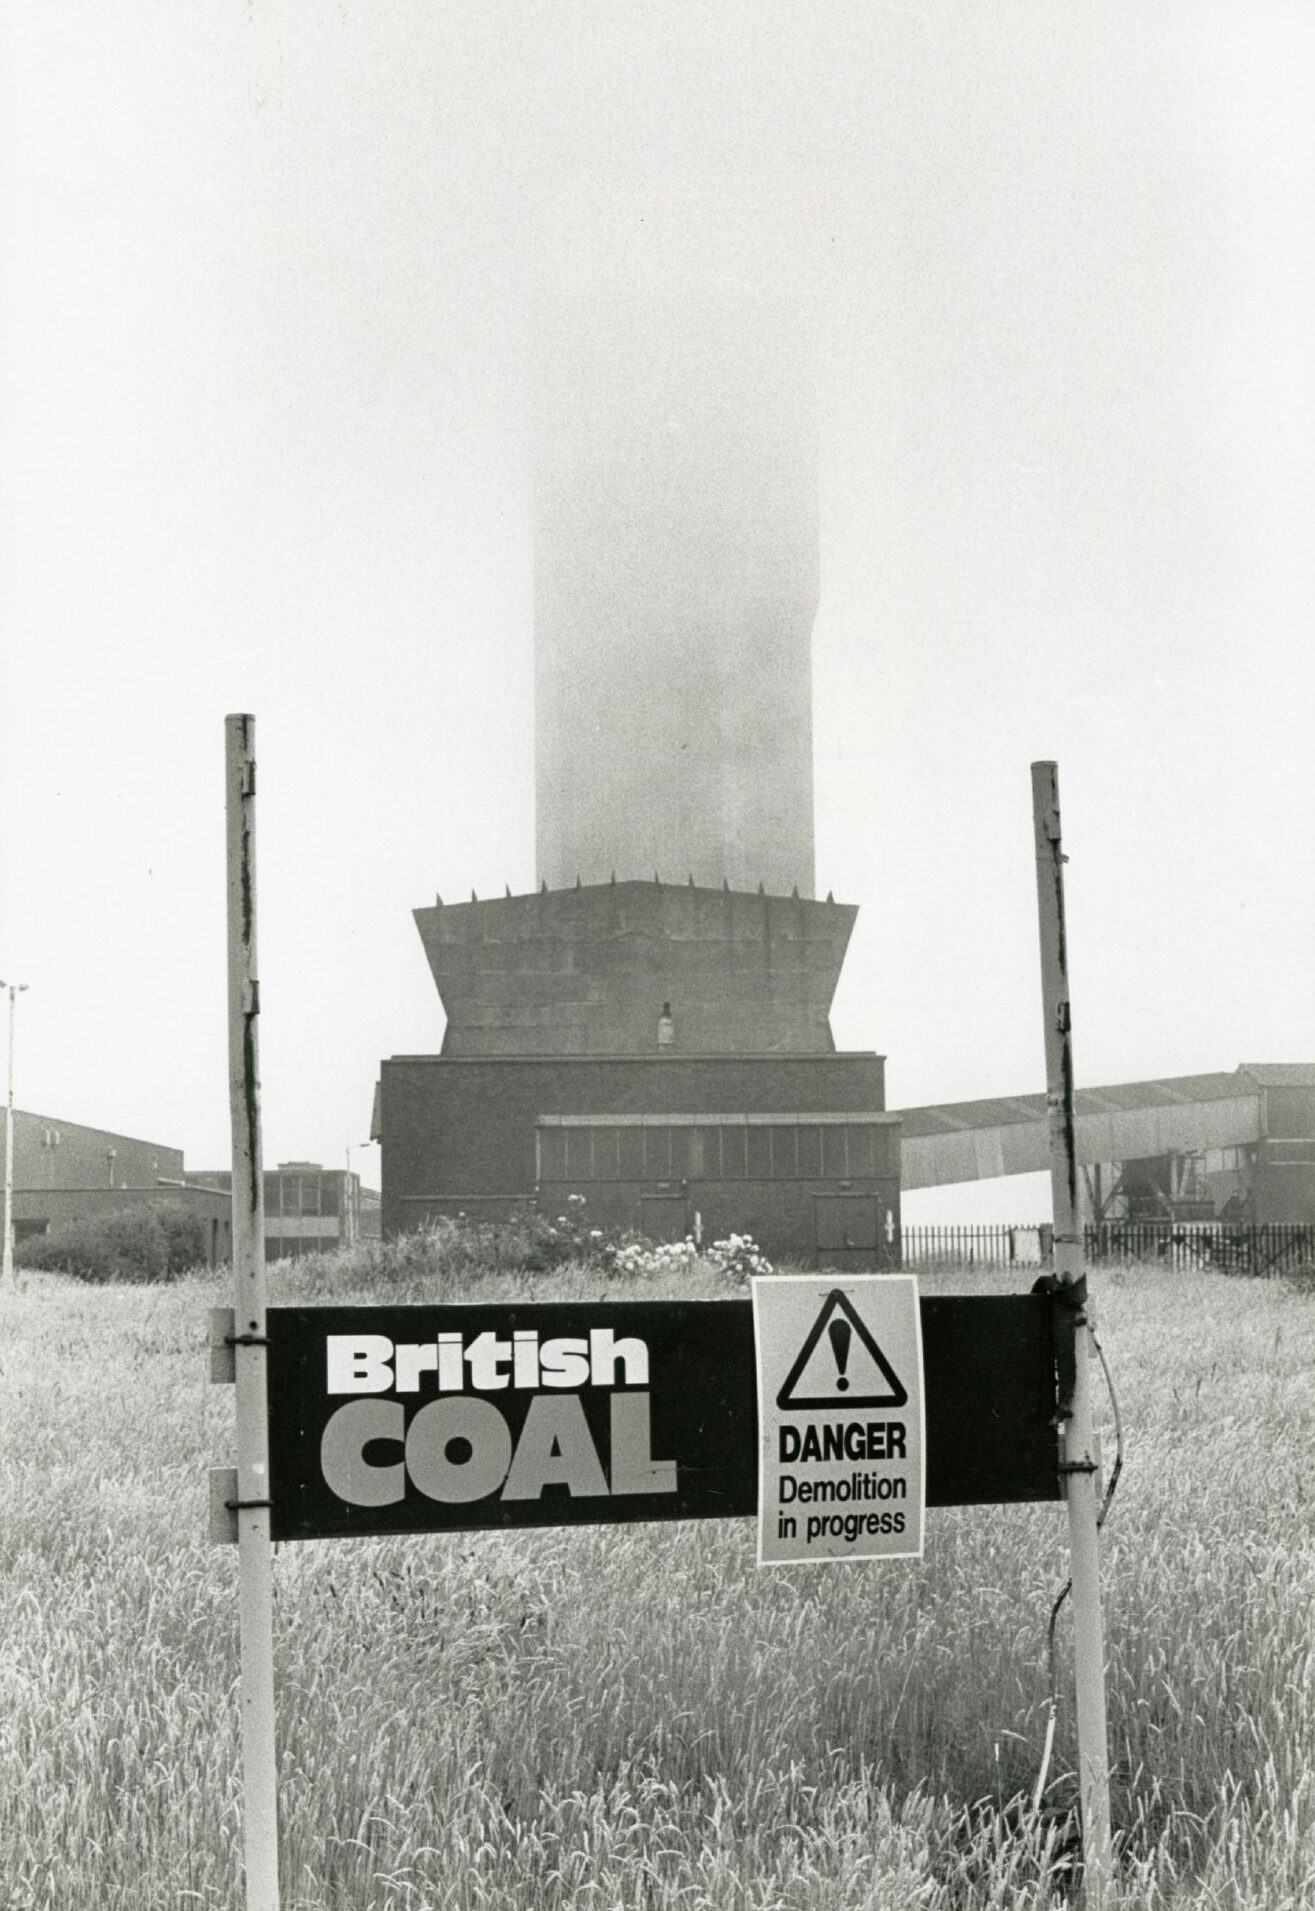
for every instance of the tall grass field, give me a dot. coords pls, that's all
(640, 1716)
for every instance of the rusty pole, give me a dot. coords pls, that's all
(1079, 1447)
(255, 1576)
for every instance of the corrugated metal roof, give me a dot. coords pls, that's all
(1119, 1098)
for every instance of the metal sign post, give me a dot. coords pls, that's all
(1079, 1450)
(251, 1501)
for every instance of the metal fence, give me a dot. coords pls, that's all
(1270, 1248)
(1275, 1247)
(999, 1246)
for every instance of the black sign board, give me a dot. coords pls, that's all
(418, 1419)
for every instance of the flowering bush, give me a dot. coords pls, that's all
(527, 1242)
(533, 1242)
(642, 1260)
(738, 1257)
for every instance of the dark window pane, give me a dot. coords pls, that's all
(710, 1140)
(606, 1167)
(552, 1154)
(657, 1154)
(732, 1154)
(810, 1151)
(785, 1151)
(860, 1148)
(834, 1157)
(579, 1154)
(328, 1196)
(631, 1142)
(759, 1144)
(273, 1194)
(680, 1140)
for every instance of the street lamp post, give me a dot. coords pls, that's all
(7, 1270)
(352, 1146)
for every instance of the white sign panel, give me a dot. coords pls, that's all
(841, 1471)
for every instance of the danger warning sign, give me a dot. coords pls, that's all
(840, 1416)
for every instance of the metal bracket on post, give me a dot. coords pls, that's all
(223, 1352)
(223, 1507)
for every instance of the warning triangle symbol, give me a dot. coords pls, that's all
(840, 1364)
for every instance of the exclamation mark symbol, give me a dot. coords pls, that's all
(841, 1333)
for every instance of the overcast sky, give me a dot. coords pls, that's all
(267, 374)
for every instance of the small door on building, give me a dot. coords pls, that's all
(846, 1230)
(662, 1217)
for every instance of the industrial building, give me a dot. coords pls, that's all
(1187, 1148)
(308, 1209)
(65, 1171)
(663, 1052)
(650, 1029)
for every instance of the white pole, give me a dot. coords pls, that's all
(1079, 1449)
(255, 1579)
(7, 1259)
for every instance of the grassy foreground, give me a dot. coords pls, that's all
(639, 1716)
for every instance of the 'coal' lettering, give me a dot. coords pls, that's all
(460, 1448)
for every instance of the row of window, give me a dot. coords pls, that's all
(776, 1151)
(301, 1194)
(294, 1194)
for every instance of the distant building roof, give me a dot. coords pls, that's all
(1118, 1098)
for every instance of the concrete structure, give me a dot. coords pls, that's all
(308, 1209)
(66, 1171)
(1185, 1148)
(676, 583)
(665, 1053)
(650, 1030)
(795, 1150)
(588, 971)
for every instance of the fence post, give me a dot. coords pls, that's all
(1079, 1454)
(255, 1576)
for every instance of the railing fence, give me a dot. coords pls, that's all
(1266, 1248)
(996, 1246)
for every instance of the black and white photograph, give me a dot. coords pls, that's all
(657, 955)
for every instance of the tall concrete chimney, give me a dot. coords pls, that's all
(676, 581)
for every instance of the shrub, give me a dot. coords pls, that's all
(738, 1257)
(735, 1259)
(529, 1242)
(154, 1243)
(458, 1249)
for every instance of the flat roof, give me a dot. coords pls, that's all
(664, 1056)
